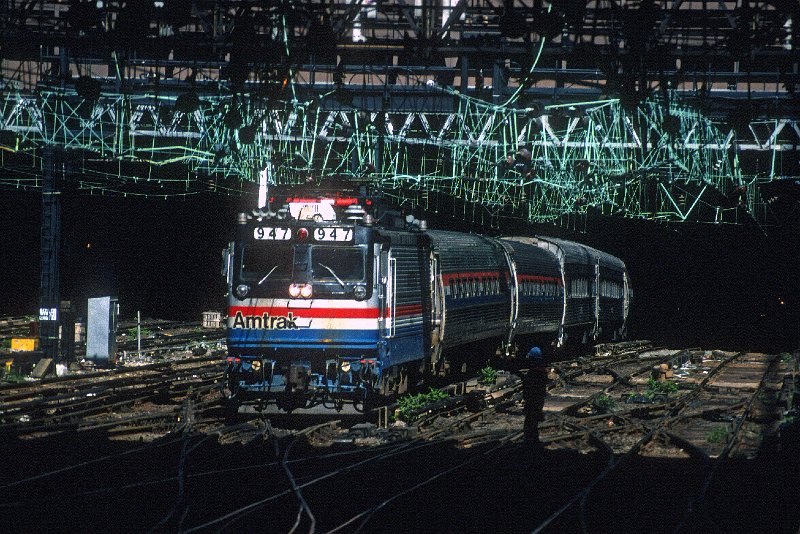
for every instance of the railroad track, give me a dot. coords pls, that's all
(574, 408)
(702, 422)
(721, 395)
(160, 337)
(11, 327)
(324, 478)
(146, 395)
(677, 424)
(452, 421)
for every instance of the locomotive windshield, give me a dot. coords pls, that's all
(337, 263)
(273, 261)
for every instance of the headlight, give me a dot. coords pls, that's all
(242, 290)
(256, 365)
(300, 290)
(360, 292)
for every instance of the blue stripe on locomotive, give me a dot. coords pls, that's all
(309, 337)
(407, 346)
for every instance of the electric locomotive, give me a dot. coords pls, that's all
(308, 310)
(328, 308)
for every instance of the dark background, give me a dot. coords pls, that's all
(695, 285)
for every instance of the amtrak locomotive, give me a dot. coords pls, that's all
(326, 306)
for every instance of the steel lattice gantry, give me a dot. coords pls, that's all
(665, 160)
(663, 110)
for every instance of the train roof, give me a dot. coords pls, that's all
(571, 251)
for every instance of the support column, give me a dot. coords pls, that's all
(499, 83)
(49, 286)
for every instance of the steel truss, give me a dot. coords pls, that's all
(422, 97)
(664, 160)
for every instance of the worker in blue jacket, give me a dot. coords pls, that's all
(534, 390)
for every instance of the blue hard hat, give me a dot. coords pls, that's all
(535, 352)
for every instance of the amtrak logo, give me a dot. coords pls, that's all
(270, 322)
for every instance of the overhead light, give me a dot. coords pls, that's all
(322, 40)
(344, 96)
(233, 119)
(534, 111)
(548, 24)
(87, 88)
(83, 17)
(187, 102)
(513, 25)
(247, 134)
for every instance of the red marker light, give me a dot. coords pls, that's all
(302, 234)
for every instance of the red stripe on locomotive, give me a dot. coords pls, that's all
(324, 313)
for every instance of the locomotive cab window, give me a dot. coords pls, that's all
(259, 262)
(337, 264)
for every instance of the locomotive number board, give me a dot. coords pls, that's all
(333, 233)
(271, 233)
